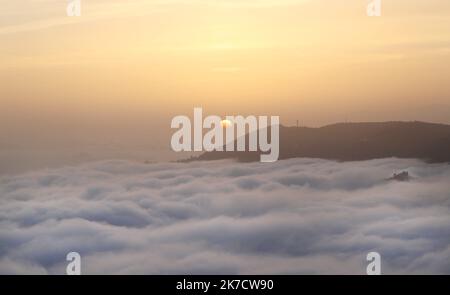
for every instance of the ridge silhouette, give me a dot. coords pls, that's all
(354, 142)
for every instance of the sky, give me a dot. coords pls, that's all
(116, 75)
(86, 103)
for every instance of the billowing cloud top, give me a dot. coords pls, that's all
(292, 217)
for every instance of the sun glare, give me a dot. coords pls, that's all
(226, 123)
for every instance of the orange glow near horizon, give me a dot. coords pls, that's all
(312, 60)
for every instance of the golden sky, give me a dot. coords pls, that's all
(318, 61)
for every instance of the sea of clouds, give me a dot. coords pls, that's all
(300, 216)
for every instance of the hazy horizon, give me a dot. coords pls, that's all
(122, 70)
(88, 169)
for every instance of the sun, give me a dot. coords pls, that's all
(226, 123)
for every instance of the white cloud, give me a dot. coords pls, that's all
(296, 216)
